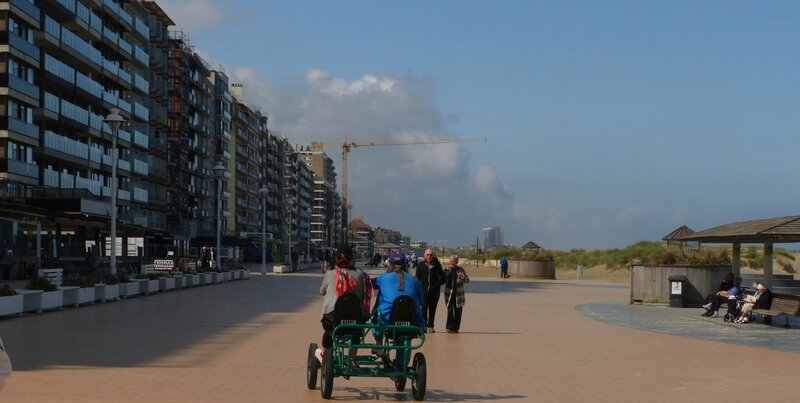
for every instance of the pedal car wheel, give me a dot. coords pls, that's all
(420, 377)
(326, 384)
(400, 383)
(312, 367)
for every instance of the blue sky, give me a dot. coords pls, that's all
(609, 122)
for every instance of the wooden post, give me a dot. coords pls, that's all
(768, 264)
(736, 260)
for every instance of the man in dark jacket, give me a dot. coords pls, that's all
(431, 276)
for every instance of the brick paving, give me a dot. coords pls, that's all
(521, 340)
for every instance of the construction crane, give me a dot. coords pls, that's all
(347, 146)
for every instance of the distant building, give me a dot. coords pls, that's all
(532, 246)
(492, 237)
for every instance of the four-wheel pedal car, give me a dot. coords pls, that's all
(392, 360)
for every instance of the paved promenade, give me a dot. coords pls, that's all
(521, 341)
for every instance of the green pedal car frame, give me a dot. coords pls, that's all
(400, 340)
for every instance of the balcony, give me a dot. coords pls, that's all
(27, 48)
(141, 111)
(23, 87)
(21, 168)
(141, 139)
(66, 145)
(140, 167)
(140, 195)
(59, 69)
(124, 165)
(27, 8)
(26, 129)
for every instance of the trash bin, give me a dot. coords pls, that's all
(677, 291)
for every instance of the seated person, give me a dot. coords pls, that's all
(391, 285)
(345, 278)
(762, 299)
(725, 296)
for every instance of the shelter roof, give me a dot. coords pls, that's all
(779, 230)
(531, 245)
(680, 232)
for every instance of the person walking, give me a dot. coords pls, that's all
(503, 267)
(430, 274)
(455, 277)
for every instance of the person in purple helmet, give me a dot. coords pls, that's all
(391, 285)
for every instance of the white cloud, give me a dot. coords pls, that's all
(681, 215)
(631, 213)
(192, 15)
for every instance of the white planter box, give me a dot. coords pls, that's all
(106, 292)
(226, 276)
(218, 277)
(37, 300)
(147, 287)
(11, 305)
(129, 289)
(206, 278)
(245, 274)
(166, 283)
(180, 282)
(77, 295)
(236, 275)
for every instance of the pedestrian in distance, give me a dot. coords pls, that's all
(455, 277)
(504, 267)
(430, 274)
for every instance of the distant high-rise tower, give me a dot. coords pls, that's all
(492, 237)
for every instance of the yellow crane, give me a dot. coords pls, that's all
(347, 146)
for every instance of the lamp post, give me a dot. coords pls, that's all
(264, 192)
(219, 171)
(115, 120)
(308, 240)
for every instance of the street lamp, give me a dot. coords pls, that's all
(219, 171)
(115, 120)
(264, 192)
(308, 240)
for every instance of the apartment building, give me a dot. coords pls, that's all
(326, 218)
(362, 237)
(66, 65)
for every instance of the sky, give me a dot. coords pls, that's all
(608, 122)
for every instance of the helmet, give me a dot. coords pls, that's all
(397, 259)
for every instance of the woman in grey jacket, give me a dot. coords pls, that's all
(454, 279)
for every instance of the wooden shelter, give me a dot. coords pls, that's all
(679, 233)
(766, 231)
(532, 246)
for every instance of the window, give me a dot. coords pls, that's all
(20, 70)
(19, 152)
(20, 29)
(20, 112)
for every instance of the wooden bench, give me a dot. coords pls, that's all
(782, 304)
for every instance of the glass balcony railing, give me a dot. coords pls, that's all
(23, 168)
(141, 55)
(83, 13)
(26, 129)
(141, 139)
(124, 165)
(124, 195)
(96, 121)
(141, 111)
(23, 45)
(66, 145)
(140, 195)
(124, 136)
(95, 154)
(68, 4)
(96, 22)
(18, 84)
(96, 188)
(125, 46)
(74, 112)
(51, 102)
(140, 167)
(124, 75)
(27, 7)
(141, 83)
(141, 27)
(50, 178)
(79, 45)
(59, 69)
(87, 84)
(110, 98)
(124, 105)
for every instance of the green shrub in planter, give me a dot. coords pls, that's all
(82, 279)
(41, 284)
(6, 291)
